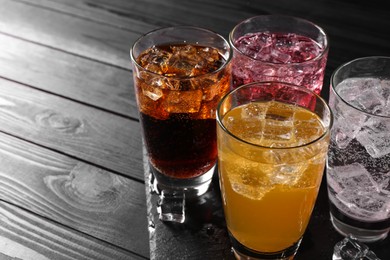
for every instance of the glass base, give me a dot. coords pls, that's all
(174, 192)
(241, 252)
(361, 234)
(192, 187)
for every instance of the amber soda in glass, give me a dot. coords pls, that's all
(180, 74)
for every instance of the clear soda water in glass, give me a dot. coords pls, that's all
(358, 167)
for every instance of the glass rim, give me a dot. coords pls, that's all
(316, 58)
(219, 118)
(344, 65)
(188, 27)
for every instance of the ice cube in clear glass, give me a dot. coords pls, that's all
(348, 121)
(375, 137)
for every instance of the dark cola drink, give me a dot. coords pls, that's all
(178, 92)
(180, 146)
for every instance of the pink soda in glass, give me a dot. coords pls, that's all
(279, 48)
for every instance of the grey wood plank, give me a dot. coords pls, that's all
(151, 13)
(25, 236)
(73, 193)
(80, 79)
(91, 11)
(67, 32)
(96, 136)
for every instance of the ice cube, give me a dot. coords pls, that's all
(348, 121)
(351, 88)
(211, 55)
(183, 101)
(332, 180)
(209, 86)
(305, 49)
(172, 83)
(369, 94)
(267, 70)
(191, 60)
(179, 67)
(375, 137)
(252, 128)
(351, 249)
(358, 191)
(253, 44)
(306, 127)
(171, 206)
(279, 56)
(286, 174)
(365, 203)
(353, 176)
(249, 183)
(370, 101)
(279, 124)
(254, 111)
(152, 107)
(155, 60)
(154, 93)
(244, 176)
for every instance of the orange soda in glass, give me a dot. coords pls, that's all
(272, 144)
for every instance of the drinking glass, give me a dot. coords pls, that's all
(279, 48)
(272, 144)
(180, 74)
(358, 168)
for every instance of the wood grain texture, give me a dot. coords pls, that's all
(25, 236)
(92, 135)
(91, 11)
(73, 193)
(142, 16)
(67, 75)
(68, 33)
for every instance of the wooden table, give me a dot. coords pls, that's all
(72, 176)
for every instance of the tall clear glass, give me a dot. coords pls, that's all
(358, 168)
(279, 48)
(180, 74)
(272, 143)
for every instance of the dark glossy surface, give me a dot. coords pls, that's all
(72, 171)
